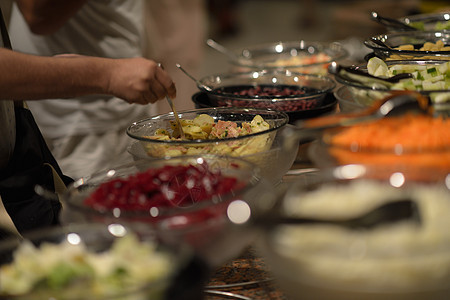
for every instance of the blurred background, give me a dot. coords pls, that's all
(178, 29)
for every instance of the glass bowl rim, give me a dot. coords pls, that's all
(413, 34)
(330, 85)
(356, 84)
(164, 212)
(322, 46)
(282, 116)
(180, 254)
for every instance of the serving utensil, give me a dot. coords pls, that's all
(380, 43)
(390, 212)
(364, 77)
(198, 82)
(228, 295)
(175, 114)
(177, 119)
(216, 46)
(390, 22)
(398, 103)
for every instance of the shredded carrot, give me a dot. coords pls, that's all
(412, 132)
(418, 140)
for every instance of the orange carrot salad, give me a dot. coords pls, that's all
(425, 142)
(412, 132)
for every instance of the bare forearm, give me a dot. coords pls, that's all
(32, 77)
(28, 77)
(47, 16)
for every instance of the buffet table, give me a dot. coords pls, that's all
(248, 277)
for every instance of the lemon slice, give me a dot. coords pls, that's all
(377, 67)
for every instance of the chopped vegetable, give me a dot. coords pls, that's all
(72, 271)
(432, 77)
(409, 140)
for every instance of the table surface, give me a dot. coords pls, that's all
(248, 277)
(251, 276)
(230, 279)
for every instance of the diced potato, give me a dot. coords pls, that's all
(194, 132)
(258, 124)
(405, 47)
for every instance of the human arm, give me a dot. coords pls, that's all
(47, 16)
(29, 77)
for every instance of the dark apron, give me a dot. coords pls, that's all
(31, 163)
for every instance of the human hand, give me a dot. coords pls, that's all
(139, 80)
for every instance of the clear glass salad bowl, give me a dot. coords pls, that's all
(367, 93)
(89, 262)
(184, 200)
(306, 57)
(389, 49)
(404, 260)
(409, 146)
(280, 90)
(273, 162)
(227, 144)
(347, 102)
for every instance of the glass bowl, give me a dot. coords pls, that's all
(201, 100)
(389, 50)
(273, 163)
(280, 90)
(255, 142)
(182, 199)
(402, 260)
(366, 95)
(299, 56)
(401, 141)
(429, 22)
(347, 102)
(88, 262)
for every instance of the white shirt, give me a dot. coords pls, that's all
(105, 28)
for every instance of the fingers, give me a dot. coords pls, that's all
(160, 85)
(141, 81)
(165, 81)
(158, 88)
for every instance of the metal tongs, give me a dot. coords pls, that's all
(390, 22)
(357, 75)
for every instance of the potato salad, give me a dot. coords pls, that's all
(208, 136)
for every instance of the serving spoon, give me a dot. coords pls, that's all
(391, 22)
(390, 212)
(199, 84)
(175, 114)
(398, 103)
(177, 119)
